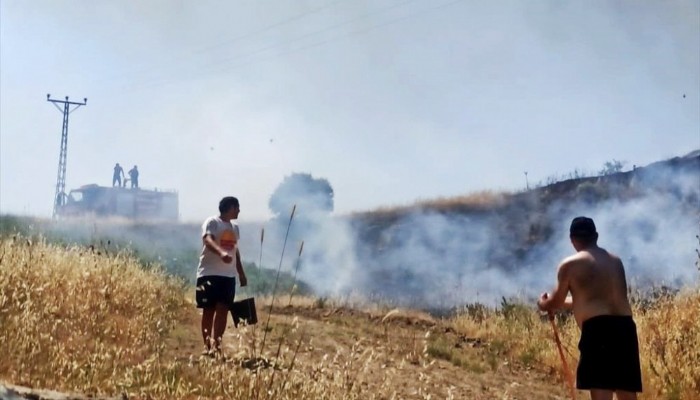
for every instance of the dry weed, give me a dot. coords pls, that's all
(669, 336)
(79, 320)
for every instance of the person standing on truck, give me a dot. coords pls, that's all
(134, 175)
(117, 175)
(219, 264)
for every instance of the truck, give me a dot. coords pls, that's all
(131, 203)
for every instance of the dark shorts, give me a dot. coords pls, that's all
(609, 354)
(215, 289)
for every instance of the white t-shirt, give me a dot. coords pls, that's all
(226, 235)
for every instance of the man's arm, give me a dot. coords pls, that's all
(239, 268)
(211, 244)
(559, 298)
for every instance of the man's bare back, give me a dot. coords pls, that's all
(609, 351)
(597, 283)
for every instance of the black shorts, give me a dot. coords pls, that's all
(609, 354)
(215, 289)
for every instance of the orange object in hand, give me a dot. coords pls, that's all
(565, 365)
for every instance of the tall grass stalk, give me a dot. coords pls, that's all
(296, 269)
(274, 288)
(262, 239)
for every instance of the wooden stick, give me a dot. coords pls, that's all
(567, 371)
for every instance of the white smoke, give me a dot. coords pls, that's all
(430, 258)
(435, 259)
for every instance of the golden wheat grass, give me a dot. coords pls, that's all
(80, 320)
(669, 340)
(87, 320)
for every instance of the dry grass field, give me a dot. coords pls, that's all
(82, 320)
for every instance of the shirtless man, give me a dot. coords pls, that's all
(609, 348)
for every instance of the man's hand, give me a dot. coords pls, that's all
(244, 280)
(225, 257)
(541, 302)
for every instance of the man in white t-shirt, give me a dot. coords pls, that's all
(219, 264)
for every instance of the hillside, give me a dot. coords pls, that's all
(102, 320)
(137, 337)
(105, 327)
(524, 234)
(404, 255)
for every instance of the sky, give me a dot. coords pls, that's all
(391, 101)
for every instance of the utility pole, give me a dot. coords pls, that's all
(60, 198)
(527, 184)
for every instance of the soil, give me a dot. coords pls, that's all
(398, 337)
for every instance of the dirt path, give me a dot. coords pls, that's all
(397, 344)
(374, 352)
(14, 392)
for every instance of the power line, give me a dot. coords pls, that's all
(268, 27)
(305, 36)
(228, 42)
(285, 43)
(359, 31)
(317, 32)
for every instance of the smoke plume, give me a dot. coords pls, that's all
(433, 258)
